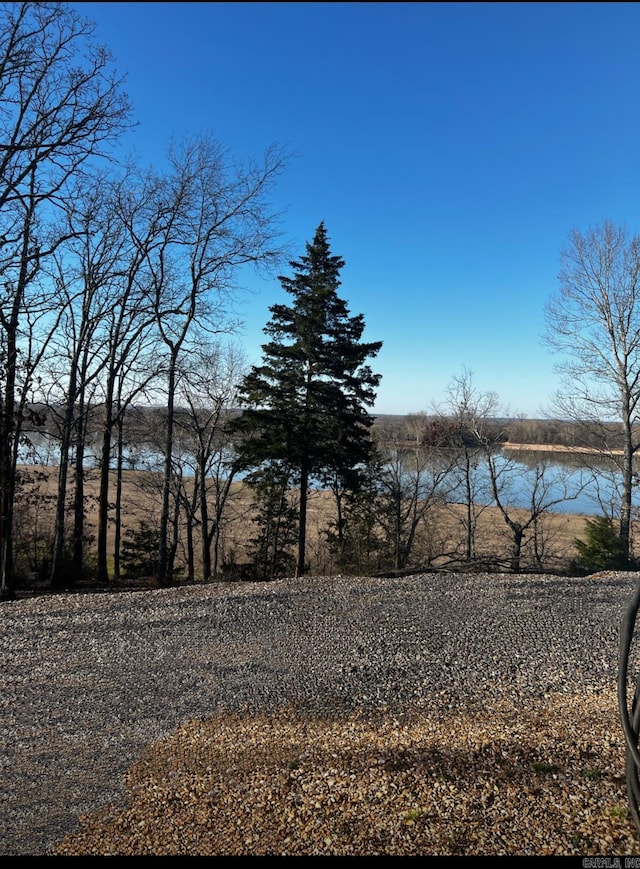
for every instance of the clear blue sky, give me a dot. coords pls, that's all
(450, 148)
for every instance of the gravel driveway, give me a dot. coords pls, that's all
(89, 680)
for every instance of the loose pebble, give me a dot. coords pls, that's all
(436, 714)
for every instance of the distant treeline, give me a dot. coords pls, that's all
(524, 431)
(139, 420)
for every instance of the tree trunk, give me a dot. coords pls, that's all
(163, 552)
(470, 547)
(302, 527)
(204, 520)
(63, 469)
(627, 478)
(103, 496)
(78, 498)
(7, 475)
(9, 427)
(518, 535)
(117, 543)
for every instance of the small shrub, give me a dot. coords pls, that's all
(140, 551)
(603, 549)
(620, 812)
(543, 766)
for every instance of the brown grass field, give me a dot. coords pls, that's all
(441, 531)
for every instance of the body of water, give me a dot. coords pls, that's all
(564, 484)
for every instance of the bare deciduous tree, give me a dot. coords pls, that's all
(216, 219)
(468, 420)
(544, 493)
(593, 320)
(130, 364)
(60, 105)
(208, 390)
(414, 476)
(84, 273)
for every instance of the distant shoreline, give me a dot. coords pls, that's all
(556, 448)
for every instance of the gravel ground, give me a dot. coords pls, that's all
(430, 714)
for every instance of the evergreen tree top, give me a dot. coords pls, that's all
(318, 262)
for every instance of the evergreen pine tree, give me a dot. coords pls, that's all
(270, 549)
(306, 404)
(354, 537)
(603, 548)
(140, 550)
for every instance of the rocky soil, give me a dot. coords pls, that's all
(430, 714)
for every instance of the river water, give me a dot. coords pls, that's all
(569, 487)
